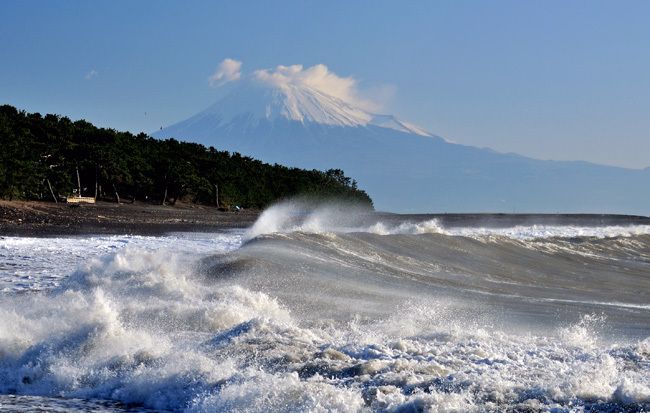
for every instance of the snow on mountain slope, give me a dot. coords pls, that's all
(290, 102)
(256, 102)
(391, 122)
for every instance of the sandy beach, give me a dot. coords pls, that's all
(42, 219)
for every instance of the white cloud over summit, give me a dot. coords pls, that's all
(317, 77)
(227, 71)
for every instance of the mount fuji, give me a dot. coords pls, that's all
(401, 166)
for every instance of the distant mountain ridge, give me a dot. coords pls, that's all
(401, 166)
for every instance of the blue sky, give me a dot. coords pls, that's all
(562, 80)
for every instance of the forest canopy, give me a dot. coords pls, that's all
(44, 157)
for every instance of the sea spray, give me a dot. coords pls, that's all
(301, 214)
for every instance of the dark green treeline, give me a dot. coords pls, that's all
(42, 152)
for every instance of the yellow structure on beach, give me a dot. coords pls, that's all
(81, 200)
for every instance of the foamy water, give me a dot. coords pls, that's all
(310, 316)
(42, 263)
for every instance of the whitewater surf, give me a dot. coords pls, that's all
(330, 311)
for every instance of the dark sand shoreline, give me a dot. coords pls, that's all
(46, 219)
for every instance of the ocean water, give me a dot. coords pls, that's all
(318, 312)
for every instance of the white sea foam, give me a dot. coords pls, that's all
(550, 231)
(431, 226)
(128, 326)
(41, 263)
(296, 215)
(133, 319)
(521, 232)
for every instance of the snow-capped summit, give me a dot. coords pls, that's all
(287, 102)
(254, 103)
